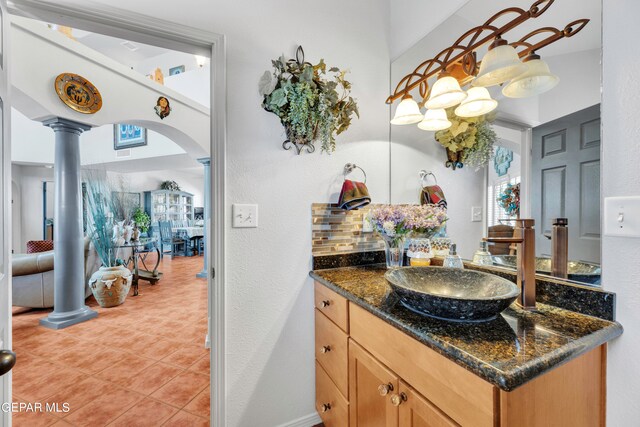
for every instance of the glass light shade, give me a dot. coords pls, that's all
(407, 112)
(477, 103)
(435, 120)
(445, 93)
(499, 65)
(536, 80)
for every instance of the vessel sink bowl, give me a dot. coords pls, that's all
(451, 293)
(576, 270)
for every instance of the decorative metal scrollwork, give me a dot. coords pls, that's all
(461, 55)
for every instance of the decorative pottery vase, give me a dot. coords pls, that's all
(110, 285)
(128, 233)
(393, 250)
(135, 234)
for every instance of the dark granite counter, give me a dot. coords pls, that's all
(507, 352)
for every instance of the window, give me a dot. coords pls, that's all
(494, 211)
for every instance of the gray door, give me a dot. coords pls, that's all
(566, 182)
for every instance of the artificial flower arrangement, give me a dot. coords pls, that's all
(472, 139)
(313, 103)
(510, 200)
(395, 222)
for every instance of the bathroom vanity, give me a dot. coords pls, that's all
(380, 364)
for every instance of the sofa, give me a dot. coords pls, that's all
(32, 282)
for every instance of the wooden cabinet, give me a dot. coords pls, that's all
(165, 205)
(371, 387)
(416, 411)
(370, 374)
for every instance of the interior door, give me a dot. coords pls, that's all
(371, 386)
(566, 182)
(5, 212)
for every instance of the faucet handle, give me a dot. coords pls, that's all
(562, 222)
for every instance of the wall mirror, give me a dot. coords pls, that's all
(548, 144)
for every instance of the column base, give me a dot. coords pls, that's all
(68, 318)
(202, 274)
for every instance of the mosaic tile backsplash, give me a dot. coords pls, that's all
(336, 231)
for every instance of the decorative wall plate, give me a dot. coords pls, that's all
(502, 160)
(78, 93)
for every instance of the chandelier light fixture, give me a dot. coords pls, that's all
(457, 66)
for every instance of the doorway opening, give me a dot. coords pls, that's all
(98, 342)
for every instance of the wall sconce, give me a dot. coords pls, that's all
(457, 67)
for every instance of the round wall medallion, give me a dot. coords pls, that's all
(78, 93)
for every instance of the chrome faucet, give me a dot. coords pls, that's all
(524, 237)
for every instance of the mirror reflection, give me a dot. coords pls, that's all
(526, 148)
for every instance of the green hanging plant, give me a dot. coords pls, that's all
(313, 103)
(472, 137)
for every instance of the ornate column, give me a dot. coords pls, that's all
(68, 238)
(206, 161)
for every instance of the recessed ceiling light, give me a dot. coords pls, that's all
(131, 46)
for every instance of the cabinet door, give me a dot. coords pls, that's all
(371, 386)
(416, 411)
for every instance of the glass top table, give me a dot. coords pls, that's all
(139, 249)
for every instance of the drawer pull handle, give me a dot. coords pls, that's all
(384, 389)
(325, 349)
(397, 399)
(325, 407)
(326, 303)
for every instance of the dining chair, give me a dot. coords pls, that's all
(167, 237)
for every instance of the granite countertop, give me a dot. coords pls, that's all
(507, 352)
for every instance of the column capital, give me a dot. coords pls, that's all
(205, 161)
(58, 124)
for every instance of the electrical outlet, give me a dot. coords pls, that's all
(622, 216)
(476, 213)
(245, 216)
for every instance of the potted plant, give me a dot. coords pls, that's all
(111, 283)
(311, 104)
(141, 220)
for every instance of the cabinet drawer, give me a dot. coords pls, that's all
(330, 404)
(334, 306)
(463, 396)
(331, 351)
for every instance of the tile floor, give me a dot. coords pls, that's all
(139, 364)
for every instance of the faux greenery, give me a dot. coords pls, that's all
(473, 136)
(169, 185)
(100, 223)
(313, 104)
(142, 220)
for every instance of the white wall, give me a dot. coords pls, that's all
(189, 180)
(620, 177)
(269, 294)
(128, 97)
(31, 142)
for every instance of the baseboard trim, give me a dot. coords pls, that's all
(306, 421)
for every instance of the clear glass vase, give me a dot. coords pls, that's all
(394, 250)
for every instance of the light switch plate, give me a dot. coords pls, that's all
(476, 213)
(245, 216)
(622, 216)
